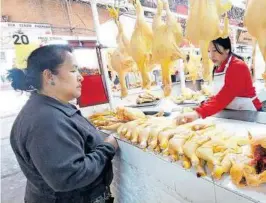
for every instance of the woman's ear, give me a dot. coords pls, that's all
(47, 76)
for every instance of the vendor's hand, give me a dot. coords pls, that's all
(112, 140)
(187, 117)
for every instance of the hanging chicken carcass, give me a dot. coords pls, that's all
(193, 66)
(255, 21)
(167, 37)
(203, 26)
(121, 61)
(141, 43)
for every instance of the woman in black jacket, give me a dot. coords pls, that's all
(64, 158)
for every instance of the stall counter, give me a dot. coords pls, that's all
(143, 176)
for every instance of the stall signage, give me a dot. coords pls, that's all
(25, 25)
(21, 33)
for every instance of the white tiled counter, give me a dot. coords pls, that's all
(142, 176)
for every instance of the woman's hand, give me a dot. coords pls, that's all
(187, 117)
(112, 140)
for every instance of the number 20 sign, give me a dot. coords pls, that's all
(20, 39)
(23, 48)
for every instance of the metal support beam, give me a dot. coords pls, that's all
(104, 70)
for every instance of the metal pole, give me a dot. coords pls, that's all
(235, 39)
(96, 22)
(253, 58)
(181, 74)
(68, 16)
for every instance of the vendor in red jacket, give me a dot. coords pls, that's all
(232, 84)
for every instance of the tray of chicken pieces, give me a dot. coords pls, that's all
(146, 99)
(189, 98)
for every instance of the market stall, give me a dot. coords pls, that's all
(146, 172)
(241, 40)
(151, 174)
(144, 175)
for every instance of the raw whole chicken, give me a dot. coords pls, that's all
(249, 168)
(193, 66)
(146, 97)
(129, 114)
(191, 145)
(126, 130)
(166, 40)
(106, 120)
(153, 143)
(121, 61)
(166, 135)
(141, 44)
(218, 150)
(178, 138)
(144, 134)
(258, 149)
(203, 26)
(243, 174)
(175, 147)
(255, 21)
(199, 142)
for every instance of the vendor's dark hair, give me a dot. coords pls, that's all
(46, 57)
(226, 44)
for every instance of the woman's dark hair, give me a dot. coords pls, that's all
(46, 57)
(226, 44)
